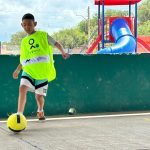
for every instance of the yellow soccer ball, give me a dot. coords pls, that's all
(16, 122)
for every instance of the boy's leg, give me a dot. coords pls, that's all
(40, 102)
(26, 84)
(22, 98)
(41, 87)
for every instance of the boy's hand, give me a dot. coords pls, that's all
(15, 74)
(65, 55)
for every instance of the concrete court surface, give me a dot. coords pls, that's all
(103, 132)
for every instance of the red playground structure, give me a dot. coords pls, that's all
(118, 32)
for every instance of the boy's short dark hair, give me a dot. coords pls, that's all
(28, 16)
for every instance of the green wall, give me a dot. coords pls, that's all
(96, 83)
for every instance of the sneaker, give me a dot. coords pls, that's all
(41, 116)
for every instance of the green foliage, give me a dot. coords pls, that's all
(17, 38)
(144, 29)
(83, 25)
(70, 38)
(144, 11)
(119, 13)
(144, 18)
(93, 23)
(14, 44)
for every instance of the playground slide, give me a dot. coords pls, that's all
(93, 46)
(142, 46)
(124, 40)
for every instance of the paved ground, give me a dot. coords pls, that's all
(87, 133)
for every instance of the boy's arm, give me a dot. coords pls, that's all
(17, 71)
(59, 46)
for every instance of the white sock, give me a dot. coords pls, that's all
(19, 113)
(40, 110)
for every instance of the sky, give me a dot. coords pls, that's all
(51, 15)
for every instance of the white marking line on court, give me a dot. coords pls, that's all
(87, 117)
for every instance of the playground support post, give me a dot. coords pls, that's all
(99, 16)
(135, 25)
(89, 22)
(129, 9)
(103, 23)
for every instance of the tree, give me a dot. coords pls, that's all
(70, 38)
(17, 38)
(14, 44)
(83, 25)
(144, 29)
(144, 11)
(111, 13)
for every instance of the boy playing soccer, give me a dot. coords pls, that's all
(36, 61)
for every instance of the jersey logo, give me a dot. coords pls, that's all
(27, 60)
(32, 43)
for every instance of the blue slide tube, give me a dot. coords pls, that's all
(124, 39)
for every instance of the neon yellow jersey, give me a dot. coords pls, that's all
(36, 56)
